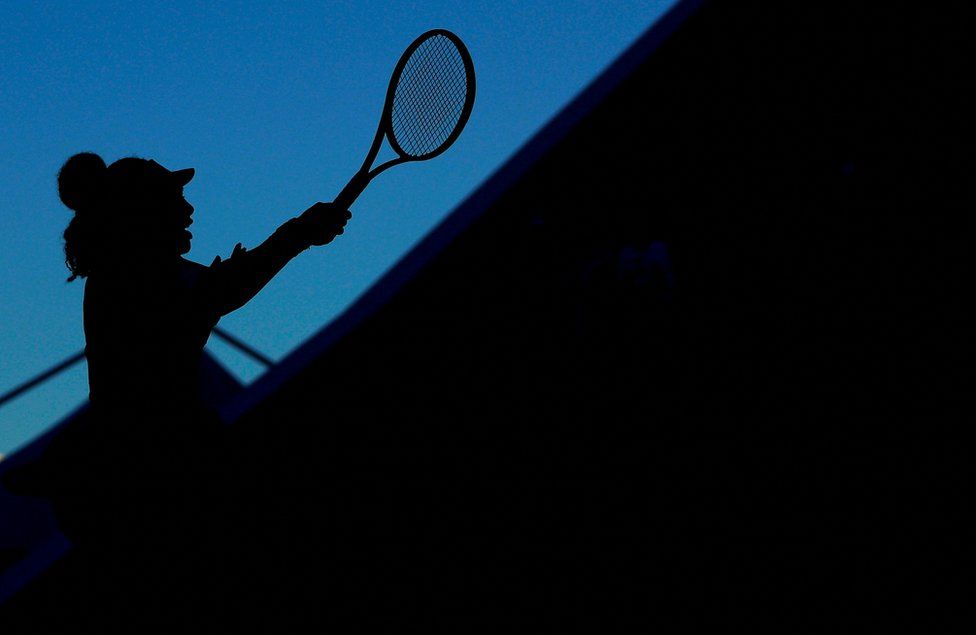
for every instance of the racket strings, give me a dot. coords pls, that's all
(426, 83)
(426, 114)
(429, 97)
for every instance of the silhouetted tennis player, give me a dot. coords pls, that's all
(148, 311)
(135, 467)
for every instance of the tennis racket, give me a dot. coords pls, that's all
(428, 102)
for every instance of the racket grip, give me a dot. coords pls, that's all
(353, 189)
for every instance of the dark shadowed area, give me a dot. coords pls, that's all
(690, 359)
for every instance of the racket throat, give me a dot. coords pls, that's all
(353, 189)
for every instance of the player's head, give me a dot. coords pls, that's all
(132, 210)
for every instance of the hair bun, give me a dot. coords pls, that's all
(80, 180)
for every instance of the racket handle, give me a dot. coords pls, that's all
(353, 189)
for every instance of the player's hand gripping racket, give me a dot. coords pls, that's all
(427, 104)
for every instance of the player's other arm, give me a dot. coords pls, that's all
(229, 284)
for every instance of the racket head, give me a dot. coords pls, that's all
(430, 96)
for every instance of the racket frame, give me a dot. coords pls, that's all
(361, 179)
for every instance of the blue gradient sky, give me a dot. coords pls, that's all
(274, 104)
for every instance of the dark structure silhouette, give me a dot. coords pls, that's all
(688, 359)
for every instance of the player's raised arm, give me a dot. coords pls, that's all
(229, 284)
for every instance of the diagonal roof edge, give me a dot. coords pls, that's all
(470, 208)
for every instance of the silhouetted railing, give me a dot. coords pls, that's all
(77, 357)
(267, 362)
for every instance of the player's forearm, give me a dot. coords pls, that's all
(239, 278)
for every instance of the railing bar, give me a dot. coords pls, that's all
(24, 387)
(77, 357)
(242, 347)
